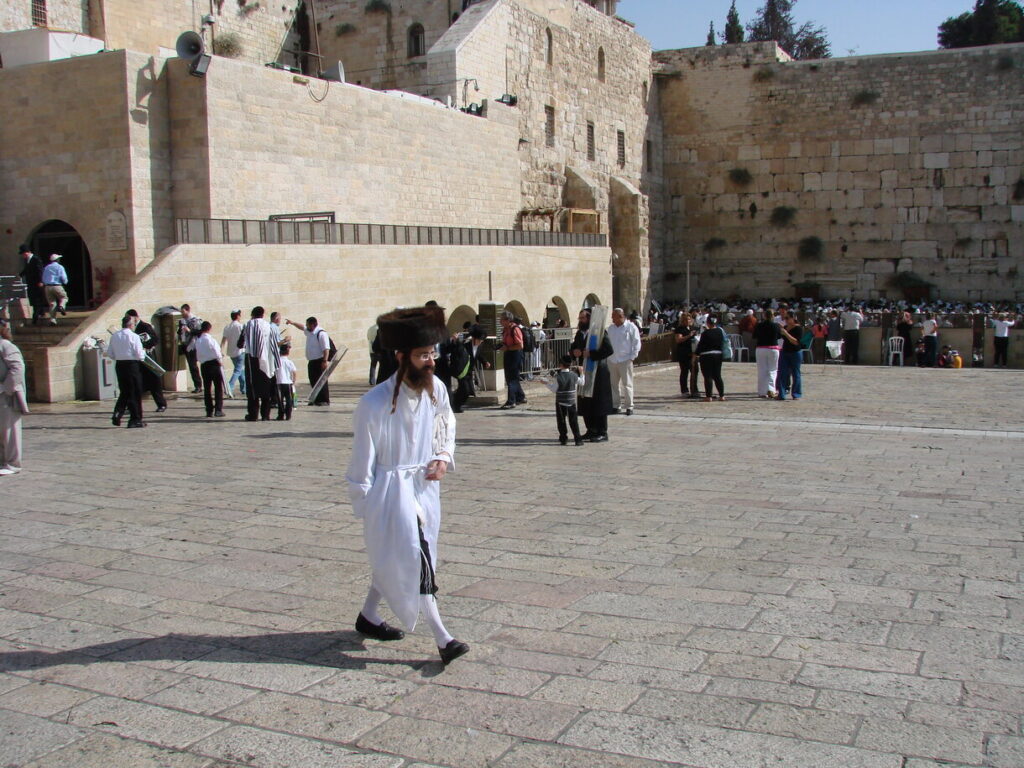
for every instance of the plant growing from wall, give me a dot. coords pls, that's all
(811, 249)
(764, 74)
(378, 6)
(345, 28)
(714, 244)
(783, 215)
(864, 98)
(228, 45)
(740, 176)
(1004, 63)
(245, 8)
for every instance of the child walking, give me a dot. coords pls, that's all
(564, 385)
(285, 380)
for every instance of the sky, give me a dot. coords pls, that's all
(857, 28)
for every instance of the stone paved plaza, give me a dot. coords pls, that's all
(831, 582)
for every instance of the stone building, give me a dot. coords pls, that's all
(476, 130)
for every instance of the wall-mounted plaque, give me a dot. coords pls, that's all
(117, 231)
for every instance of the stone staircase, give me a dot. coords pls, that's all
(30, 338)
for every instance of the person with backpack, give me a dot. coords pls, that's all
(319, 352)
(529, 346)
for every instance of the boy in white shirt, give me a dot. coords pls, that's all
(285, 381)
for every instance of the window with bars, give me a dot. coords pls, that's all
(38, 13)
(621, 136)
(549, 125)
(417, 41)
(591, 151)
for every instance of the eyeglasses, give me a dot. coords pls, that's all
(424, 356)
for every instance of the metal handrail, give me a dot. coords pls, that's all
(259, 232)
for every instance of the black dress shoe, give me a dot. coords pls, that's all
(251, 418)
(115, 420)
(161, 409)
(382, 631)
(508, 406)
(579, 441)
(218, 413)
(452, 651)
(629, 411)
(136, 424)
(563, 440)
(599, 439)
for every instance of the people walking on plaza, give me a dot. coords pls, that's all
(465, 387)
(285, 385)
(229, 338)
(32, 276)
(188, 332)
(512, 346)
(930, 333)
(790, 380)
(1001, 338)
(768, 338)
(125, 348)
(709, 351)
(262, 357)
(685, 338)
(835, 326)
(819, 335)
(625, 340)
(565, 385)
(55, 280)
(851, 320)
(151, 383)
(595, 408)
(318, 356)
(746, 328)
(212, 368)
(13, 401)
(403, 445)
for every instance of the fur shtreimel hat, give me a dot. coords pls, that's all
(406, 329)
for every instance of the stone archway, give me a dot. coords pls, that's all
(56, 236)
(517, 309)
(557, 310)
(459, 317)
(591, 301)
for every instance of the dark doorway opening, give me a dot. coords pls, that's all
(57, 236)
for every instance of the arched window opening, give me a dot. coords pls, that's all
(417, 41)
(600, 64)
(549, 47)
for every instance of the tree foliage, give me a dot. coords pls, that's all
(733, 28)
(711, 35)
(774, 21)
(991, 22)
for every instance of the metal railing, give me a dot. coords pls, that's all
(258, 232)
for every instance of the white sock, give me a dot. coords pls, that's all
(371, 605)
(428, 606)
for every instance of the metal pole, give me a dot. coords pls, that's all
(687, 285)
(490, 286)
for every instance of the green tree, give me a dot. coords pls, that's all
(774, 21)
(711, 35)
(991, 22)
(733, 28)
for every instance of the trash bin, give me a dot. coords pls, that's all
(165, 321)
(98, 379)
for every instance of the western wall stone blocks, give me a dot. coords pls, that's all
(936, 160)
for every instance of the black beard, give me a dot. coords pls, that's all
(583, 326)
(420, 379)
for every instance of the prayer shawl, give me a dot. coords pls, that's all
(12, 376)
(389, 490)
(259, 344)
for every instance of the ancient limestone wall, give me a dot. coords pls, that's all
(306, 145)
(346, 296)
(895, 163)
(62, 15)
(259, 26)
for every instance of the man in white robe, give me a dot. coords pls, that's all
(403, 445)
(12, 402)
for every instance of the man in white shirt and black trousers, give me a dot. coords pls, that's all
(209, 356)
(126, 350)
(318, 356)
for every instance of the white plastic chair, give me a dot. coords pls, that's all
(833, 353)
(895, 348)
(739, 352)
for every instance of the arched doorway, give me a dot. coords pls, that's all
(557, 310)
(517, 309)
(460, 316)
(56, 236)
(591, 301)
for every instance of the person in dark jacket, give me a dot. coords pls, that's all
(32, 275)
(594, 409)
(151, 383)
(709, 352)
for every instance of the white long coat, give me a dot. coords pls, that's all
(389, 490)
